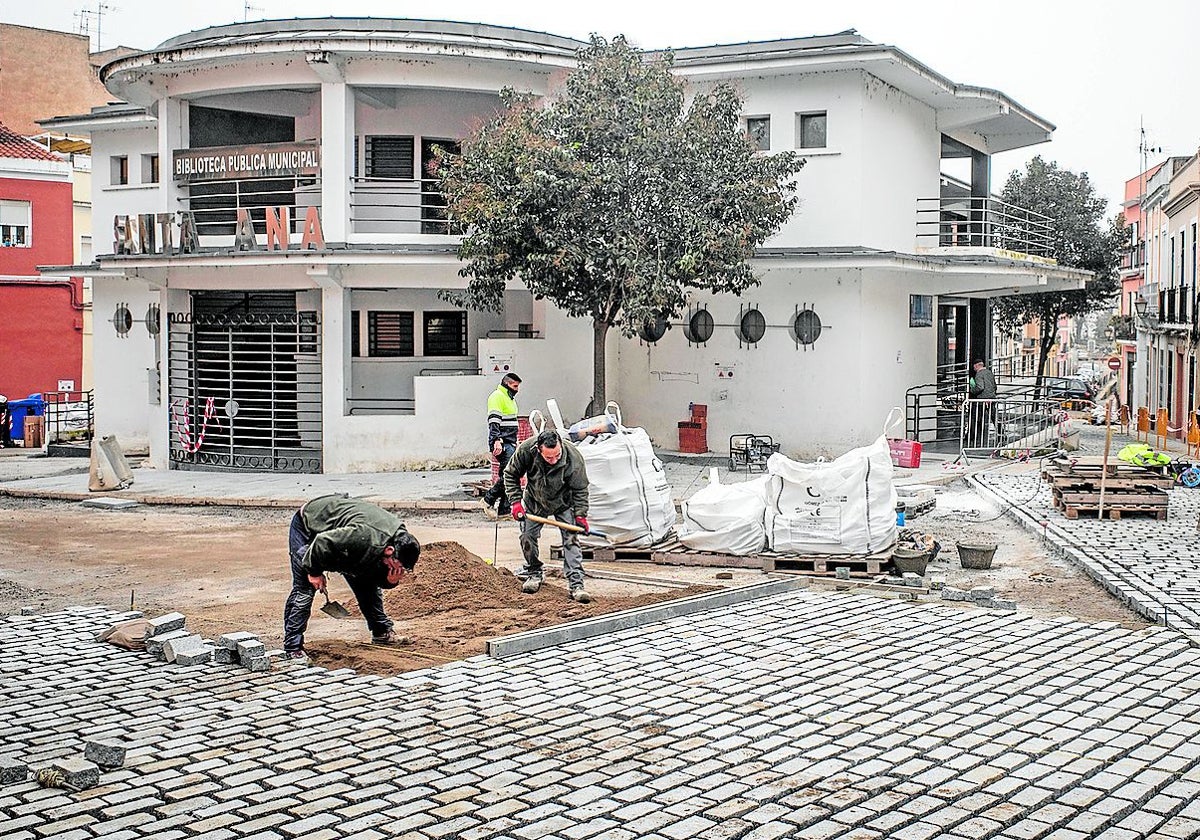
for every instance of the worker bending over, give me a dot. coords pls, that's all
(364, 543)
(556, 486)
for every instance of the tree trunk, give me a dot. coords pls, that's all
(599, 336)
(1046, 335)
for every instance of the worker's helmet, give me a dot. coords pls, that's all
(3, 400)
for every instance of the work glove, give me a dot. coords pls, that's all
(581, 521)
(518, 511)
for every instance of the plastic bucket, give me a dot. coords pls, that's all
(976, 555)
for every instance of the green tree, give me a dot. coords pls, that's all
(615, 197)
(1080, 237)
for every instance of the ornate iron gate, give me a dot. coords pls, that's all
(245, 391)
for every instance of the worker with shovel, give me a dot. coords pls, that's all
(556, 491)
(366, 544)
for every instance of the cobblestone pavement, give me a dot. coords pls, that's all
(1152, 566)
(801, 715)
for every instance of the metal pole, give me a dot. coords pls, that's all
(1107, 447)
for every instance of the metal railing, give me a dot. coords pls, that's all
(983, 222)
(215, 204)
(398, 206)
(1133, 257)
(1015, 424)
(70, 416)
(381, 405)
(1176, 305)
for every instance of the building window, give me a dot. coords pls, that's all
(810, 130)
(445, 334)
(389, 156)
(1193, 253)
(920, 310)
(758, 129)
(149, 169)
(389, 334)
(16, 219)
(120, 170)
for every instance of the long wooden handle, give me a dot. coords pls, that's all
(566, 526)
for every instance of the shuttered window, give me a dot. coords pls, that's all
(445, 333)
(389, 156)
(390, 334)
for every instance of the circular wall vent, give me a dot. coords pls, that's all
(807, 326)
(653, 329)
(752, 327)
(122, 320)
(152, 315)
(699, 327)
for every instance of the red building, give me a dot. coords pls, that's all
(41, 320)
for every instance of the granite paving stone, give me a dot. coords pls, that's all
(802, 715)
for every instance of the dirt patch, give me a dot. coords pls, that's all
(456, 602)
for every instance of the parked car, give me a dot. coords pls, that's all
(1072, 392)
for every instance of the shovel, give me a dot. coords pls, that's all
(333, 608)
(565, 526)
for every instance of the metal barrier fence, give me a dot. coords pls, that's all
(1012, 425)
(70, 416)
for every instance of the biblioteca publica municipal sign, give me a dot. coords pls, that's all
(223, 163)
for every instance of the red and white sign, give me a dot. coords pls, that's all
(1114, 362)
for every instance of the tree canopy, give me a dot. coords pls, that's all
(615, 197)
(1081, 238)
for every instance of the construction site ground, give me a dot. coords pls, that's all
(226, 569)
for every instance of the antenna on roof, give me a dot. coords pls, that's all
(247, 8)
(85, 15)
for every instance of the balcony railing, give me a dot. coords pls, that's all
(1176, 305)
(1133, 257)
(215, 204)
(398, 206)
(983, 222)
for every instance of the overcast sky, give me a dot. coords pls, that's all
(1094, 68)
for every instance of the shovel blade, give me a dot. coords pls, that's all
(335, 609)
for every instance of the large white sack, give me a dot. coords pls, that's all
(726, 518)
(845, 506)
(629, 498)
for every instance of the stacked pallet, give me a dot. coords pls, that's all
(1129, 490)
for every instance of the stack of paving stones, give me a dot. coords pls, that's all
(169, 641)
(808, 715)
(1148, 565)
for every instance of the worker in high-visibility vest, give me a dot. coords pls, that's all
(502, 436)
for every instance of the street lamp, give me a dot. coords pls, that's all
(1140, 305)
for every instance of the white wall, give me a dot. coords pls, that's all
(123, 406)
(108, 199)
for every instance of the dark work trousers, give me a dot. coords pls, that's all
(572, 553)
(497, 490)
(299, 603)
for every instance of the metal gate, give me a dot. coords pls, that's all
(245, 391)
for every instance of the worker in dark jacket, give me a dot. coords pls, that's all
(364, 543)
(982, 414)
(556, 486)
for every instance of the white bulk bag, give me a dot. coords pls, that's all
(845, 506)
(726, 518)
(629, 498)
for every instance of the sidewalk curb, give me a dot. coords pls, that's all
(216, 501)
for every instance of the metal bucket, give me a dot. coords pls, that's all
(976, 556)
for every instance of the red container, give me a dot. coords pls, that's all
(524, 432)
(693, 438)
(905, 453)
(699, 413)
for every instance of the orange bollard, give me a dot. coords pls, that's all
(1125, 418)
(1143, 424)
(1193, 435)
(1161, 423)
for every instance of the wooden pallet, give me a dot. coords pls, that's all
(1092, 511)
(1074, 503)
(1118, 483)
(671, 552)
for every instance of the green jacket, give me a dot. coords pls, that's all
(349, 535)
(548, 489)
(502, 417)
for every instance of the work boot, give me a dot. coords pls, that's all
(297, 655)
(580, 594)
(532, 584)
(390, 639)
